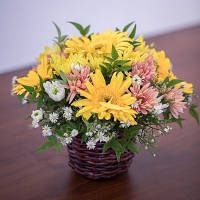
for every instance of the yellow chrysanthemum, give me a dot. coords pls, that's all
(99, 43)
(133, 56)
(163, 66)
(48, 51)
(107, 100)
(94, 61)
(60, 62)
(32, 78)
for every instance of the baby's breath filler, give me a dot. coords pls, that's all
(106, 88)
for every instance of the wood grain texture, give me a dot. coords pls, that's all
(173, 174)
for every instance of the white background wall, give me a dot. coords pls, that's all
(26, 25)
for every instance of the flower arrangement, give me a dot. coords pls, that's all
(103, 85)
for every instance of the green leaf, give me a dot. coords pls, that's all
(106, 146)
(108, 65)
(132, 34)
(33, 96)
(59, 132)
(127, 26)
(79, 27)
(29, 88)
(174, 82)
(116, 29)
(52, 138)
(166, 80)
(122, 62)
(62, 38)
(63, 76)
(58, 147)
(133, 147)
(103, 69)
(26, 118)
(118, 154)
(58, 30)
(40, 101)
(86, 30)
(71, 125)
(194, 113)
(116, 145)
(41, 82)
(125, 68)
(114, 53)
(45, 146)
(178, 121)
(83, 138)
(109, 59)
(21, 96)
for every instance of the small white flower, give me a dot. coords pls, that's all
(74, 133)
(100, 136)
(159, 109)
(91, 144)
(37, 115)
(106, 139)
(14, 80)
(54, 90)
(134, 105)
(63, 141)
(68, 140)
(167, 129)
(24, 101)
(78, 67)
(89, 133)
(136, 79)
(67, 110)
(68, 117)
(35, 124)
(53, 117)
(46, 131)
(124, 125)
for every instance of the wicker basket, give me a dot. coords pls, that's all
(95, 165)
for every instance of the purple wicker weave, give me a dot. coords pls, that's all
(95, 165)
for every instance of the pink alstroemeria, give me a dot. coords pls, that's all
(145, 70)
(175, 100)
(76, 81)
(146, 97)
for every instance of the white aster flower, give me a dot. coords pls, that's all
(136, 79)
(125, 125)
(14, 80)
(54, 90)
(35, 124)
(53, 117)
(167, 129)
(46, 131)
(67, 116)
(74, 133)
(100, 136)
(106, 139)
(37, 115)
(63, 141)
(68, 140)
(159, 109)
(67, 110)
(89, 133)
(91, 144)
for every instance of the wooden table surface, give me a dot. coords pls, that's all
(173, 174)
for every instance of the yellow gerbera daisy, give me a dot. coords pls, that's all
(107, 100)
(99, 43)
(32, 78)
